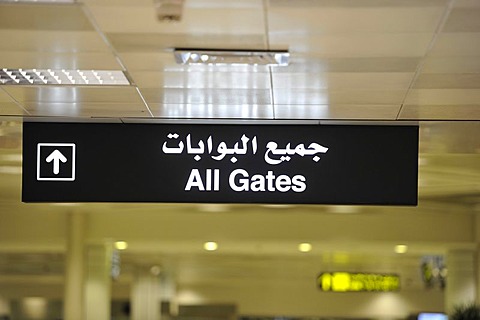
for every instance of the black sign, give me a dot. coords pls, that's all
(298, 164)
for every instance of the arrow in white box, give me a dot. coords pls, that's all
(56, 156)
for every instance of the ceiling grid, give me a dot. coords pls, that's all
(439, 29)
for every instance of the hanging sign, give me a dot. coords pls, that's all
(357, 282)
(297, 164)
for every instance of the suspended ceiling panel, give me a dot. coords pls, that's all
(396, 60)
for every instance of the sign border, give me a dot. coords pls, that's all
(39, 145)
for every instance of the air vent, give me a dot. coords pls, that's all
(62, 77)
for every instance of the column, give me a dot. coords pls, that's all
(477, 277)
(477, 241)
(146, 295)
(98, 282)
(74, 267)
(169, 293)
(461, 280)
(4, 307)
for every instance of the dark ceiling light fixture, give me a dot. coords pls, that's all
(231, 57)
(169, 10)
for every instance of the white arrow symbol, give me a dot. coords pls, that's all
(56, 156)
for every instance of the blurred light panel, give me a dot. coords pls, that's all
(304, 247)
(401, 248)
(121, 245)
(210, 246)
(62, 77)
(231, 57)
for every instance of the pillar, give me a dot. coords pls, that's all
(477, 273)
(169, 293)
(98, 282)
(146, 295)
(4, 307)
(461, 280)
(74, 268)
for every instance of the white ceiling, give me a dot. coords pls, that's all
(368, 60)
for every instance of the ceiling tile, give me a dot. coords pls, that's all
(144, 3)
(71, 109)
(463, 20)
(52, 94)
(310, 63)
(139, 19)
(206, 96)
(156, 42)
(5, 97)
(357, 3)
(51, 41)
(448, 81)
(233, 4)
(457, 45)
(452, 65)
(337, 112)
(443, 97)
(11, 109)
(150, 61)
(345, 80)
(440, 112)
(188, 4)
(220, 80)
(248, 111)
(356, 45)
(71, 61)
(467, 4)
(340, 97)
(44, 17)
(352, 20)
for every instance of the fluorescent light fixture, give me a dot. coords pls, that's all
(231, 57)
(62, 77)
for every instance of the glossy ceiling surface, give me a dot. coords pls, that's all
(350, 60)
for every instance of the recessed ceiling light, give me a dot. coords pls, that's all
(62, 77)
(231, 57)
(210, 246)
(121, 245)
(305, 247)
(401, 248)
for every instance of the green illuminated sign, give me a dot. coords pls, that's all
(357, 282)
